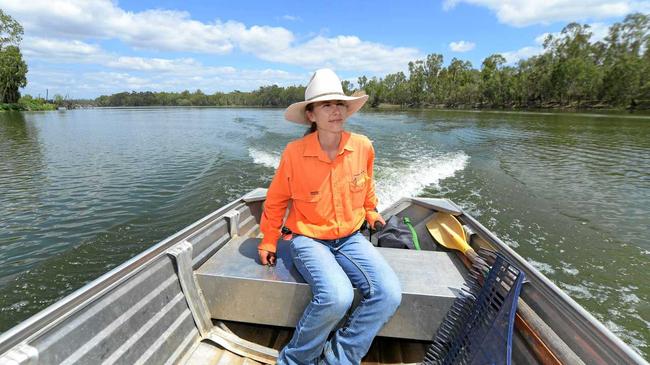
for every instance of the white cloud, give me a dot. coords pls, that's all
(520, 13)
(170, 30)
(125, 73)
(121, 81)
(461, 46)
(78, 52)
(258, 39)
(56, 49)
(163, 30)
(542, 37)
(292, 18)
(151, 64)
(512, 57)
(90, 84)
(344, 53)
(598, 31)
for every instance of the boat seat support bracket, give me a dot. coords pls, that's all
(232, 216)
(181, 254)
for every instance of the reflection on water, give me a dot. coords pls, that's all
(21, 180)
(82, 191)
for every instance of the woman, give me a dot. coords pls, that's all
(327, 175)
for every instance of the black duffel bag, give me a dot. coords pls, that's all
(398, 233)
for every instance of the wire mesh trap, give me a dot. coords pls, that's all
(478, 327)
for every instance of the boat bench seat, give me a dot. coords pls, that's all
(237, 288)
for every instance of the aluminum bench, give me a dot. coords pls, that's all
(237, 288)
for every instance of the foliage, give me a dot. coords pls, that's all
(11, 32)
(27, 102)
(269, 96)
(571, 72)
(13, 69)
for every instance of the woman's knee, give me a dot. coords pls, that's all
(334, 302)
(389, 293)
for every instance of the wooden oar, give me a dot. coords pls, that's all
(548, 346)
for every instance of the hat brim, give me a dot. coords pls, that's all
(296, 111)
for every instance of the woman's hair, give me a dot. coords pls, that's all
(313, 127)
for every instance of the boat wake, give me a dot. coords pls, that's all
(267, 159)
(393, 183)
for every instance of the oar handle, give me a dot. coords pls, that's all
(471, 254)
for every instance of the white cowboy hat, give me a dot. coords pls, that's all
(324, 85)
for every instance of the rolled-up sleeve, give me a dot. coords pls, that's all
(275, 206)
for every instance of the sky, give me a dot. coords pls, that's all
(88, 48)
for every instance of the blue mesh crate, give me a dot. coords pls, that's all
(478, 327)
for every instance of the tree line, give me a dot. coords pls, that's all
(265, 96)
(572, 71)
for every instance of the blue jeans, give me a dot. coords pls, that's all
(331, 268)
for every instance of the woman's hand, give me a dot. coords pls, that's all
(379, 223)
(266, 257)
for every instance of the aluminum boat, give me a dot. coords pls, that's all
(200, 297)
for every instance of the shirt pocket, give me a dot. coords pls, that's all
(307, 203)
(358, 182)
(358, 188)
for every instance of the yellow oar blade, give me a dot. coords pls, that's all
(448, 232)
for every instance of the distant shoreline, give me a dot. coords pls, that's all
(644, 113)
(596, 112)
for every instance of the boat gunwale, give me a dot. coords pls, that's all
(72, 303)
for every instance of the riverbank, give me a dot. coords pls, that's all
(595, 109)
(30, 105)
(34, 105)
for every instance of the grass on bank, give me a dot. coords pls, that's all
(28, 103)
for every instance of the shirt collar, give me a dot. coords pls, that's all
(312, 146)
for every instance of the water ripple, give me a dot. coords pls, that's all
(82, 191)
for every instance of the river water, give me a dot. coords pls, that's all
(81, 191)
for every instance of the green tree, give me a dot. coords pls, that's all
(535, 80)
(460, 83)
(376, 91)
(625, 67)
(347, 86)
(576, 76)
(397, 88)
(433, 67)
(362, 82)
(492, 86)
(13, 69)
(11, 32)
(416, 82)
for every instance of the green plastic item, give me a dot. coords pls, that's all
(416, 242)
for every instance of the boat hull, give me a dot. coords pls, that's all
(151, 310)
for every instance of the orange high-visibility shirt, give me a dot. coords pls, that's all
(329, 199)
